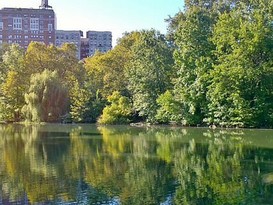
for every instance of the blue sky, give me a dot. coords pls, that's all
(117, 16)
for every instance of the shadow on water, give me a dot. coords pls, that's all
(85, 164)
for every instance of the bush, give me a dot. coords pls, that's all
(118, 112)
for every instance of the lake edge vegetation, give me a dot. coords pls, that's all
(213, 67)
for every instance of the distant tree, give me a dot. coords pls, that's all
(3, 68)
(85, 106)
(106, 74)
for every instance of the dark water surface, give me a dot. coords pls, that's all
(85, 164)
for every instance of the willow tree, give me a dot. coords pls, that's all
(47, 98)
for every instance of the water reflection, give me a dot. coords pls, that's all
(84, 164)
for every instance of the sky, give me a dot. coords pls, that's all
(118, 16)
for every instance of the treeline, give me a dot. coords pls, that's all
(214, 67)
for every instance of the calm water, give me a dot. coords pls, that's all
(84, 164)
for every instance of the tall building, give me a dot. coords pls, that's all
(65, 36)
(99, 41)
(23, 25)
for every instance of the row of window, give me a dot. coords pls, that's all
(34, 24)
(67, 37)
(25, 37)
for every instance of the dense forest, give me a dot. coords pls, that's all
(213, 67)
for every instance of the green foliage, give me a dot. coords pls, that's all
(13, 84)
(118, 112)
(12, 97)
(79, 98)
(169, 109)
(241, 90)
(106, 71)
(149, 72)
(63, 60)
(223, 53)
(84, 106)
(193, 59)
(214, 66)
(46, 100)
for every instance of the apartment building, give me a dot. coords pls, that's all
(99, 41)
(23, 25)
(69, 36)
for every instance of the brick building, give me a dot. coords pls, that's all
(23, 25)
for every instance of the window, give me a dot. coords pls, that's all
(50, 27)
(17, 23)
(1, 25)
(34, 24)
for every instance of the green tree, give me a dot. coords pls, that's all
(13, 84)
(47, 98)
(85, 106)
(193, 60)
(106, 72)
(40, 57)
(70, 73)
(149, 72)
(241, 90)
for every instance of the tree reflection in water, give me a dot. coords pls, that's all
(123, 165)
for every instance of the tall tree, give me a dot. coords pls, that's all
(14, 84)
(193, 59)
(149, 72)
(106, 74)
(241, 89)
(106, 71)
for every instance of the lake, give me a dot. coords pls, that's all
(86, 164)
